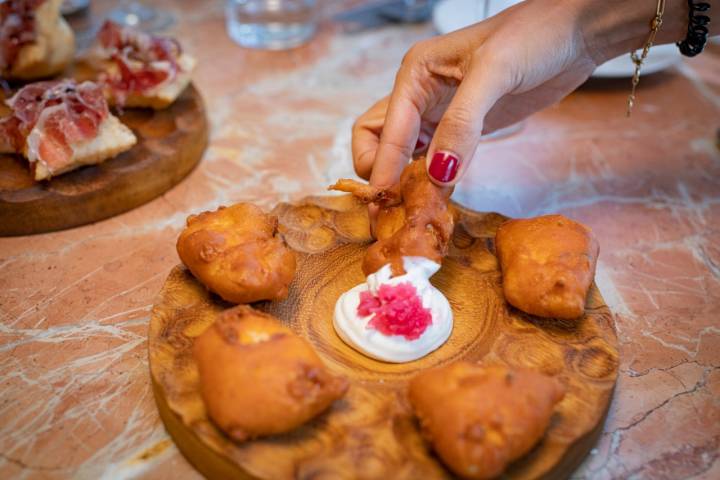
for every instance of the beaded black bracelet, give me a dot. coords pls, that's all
(697, 34)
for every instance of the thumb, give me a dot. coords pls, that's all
(458, 133)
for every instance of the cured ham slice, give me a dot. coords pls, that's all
(35, 41)
(61, 125)
(139, 69)
(17, 28)
(83, 103)
(143, 60)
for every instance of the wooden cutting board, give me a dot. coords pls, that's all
(371, 433)
(170, 143)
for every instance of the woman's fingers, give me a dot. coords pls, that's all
(366, 137)
(423, 142)
(460, 127)
(399, 133)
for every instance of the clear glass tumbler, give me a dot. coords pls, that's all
(68, 7)
(145, 17)
(271, 24)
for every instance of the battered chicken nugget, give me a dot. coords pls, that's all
(236, 253)
(258, 378)
(479, 419)
(548, 264)
(414, 219)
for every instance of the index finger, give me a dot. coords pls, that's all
(366, 137)
(398, 138)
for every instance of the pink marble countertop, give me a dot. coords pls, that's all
(76, 399)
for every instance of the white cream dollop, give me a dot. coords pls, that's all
(353, 329)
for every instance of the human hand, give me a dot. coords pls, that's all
(451, 89)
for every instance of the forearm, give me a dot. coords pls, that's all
(614, 27)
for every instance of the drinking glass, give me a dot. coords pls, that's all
(408, 11)
(141, 16)
(271, 24)
(69, 7)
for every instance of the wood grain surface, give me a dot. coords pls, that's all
(170, 143)
(371, 433)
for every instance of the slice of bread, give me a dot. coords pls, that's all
(53, 48)
(166, 93)
(112, 139)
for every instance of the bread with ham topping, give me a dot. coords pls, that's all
(60, 126)
(138, 69)
(51, 49)
(112, 139)
(165, 94)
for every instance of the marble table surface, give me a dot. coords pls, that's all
(75, 394)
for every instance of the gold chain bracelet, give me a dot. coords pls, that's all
(655, 25)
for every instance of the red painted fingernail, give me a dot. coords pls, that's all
(420, 145)
(444, 166)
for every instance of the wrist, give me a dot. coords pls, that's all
(613, 27)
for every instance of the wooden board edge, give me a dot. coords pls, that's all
(133, 200)
(581, 448)
(203, 458)
(213, 464)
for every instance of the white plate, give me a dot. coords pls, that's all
(451, 15)
(659, 58)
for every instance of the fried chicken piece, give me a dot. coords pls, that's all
(414, 218)
(367, 193)
(237, 253)
(480, 419)
(258, 378)
(548, 264)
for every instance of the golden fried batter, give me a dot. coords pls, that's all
(236, 253)
(258, 378)
(367, 193)
(414, 218)
(548, 264)
(479, 419)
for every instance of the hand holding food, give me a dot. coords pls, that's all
(35, 41)
(248, 376)
(480, 419)
(452, 88)
(258, 378)
(548, 264)
(237, 253)
(414, 219)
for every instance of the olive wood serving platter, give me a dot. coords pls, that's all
(371, 433)
(170, 143)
